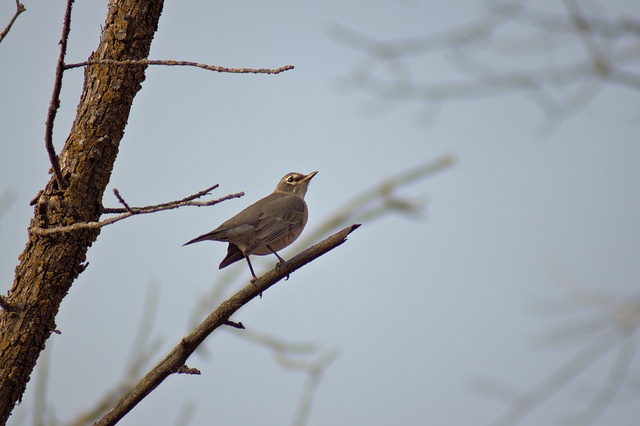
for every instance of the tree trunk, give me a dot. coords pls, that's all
(50, 263)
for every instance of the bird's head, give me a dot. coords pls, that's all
(295, 183)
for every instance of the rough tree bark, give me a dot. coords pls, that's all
(50, 263)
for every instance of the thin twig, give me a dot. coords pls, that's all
(315, 372)
(379, 199)
(188, 344)
(279, 347)
(132, 211)
(19, 9)
(185, 369)
(234, 324)
(171, 63)
(528, 401)
(185, 199)
(618, 373)
(185, 416)
(587, 36)
(122, 201)
(55, 99)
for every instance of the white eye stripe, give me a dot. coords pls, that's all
(289, 178)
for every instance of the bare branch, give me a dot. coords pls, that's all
(122, 201)
(143, 348)
(55, 99)
(19, 9)
(280, 347)
(185, 369)
(171, 63)
(48, 267)
(379, 199)
(586, 33)
(179, 355)
(387, 71)
(234, 324)
(131, 211)
(618, 329)
(617, 374)
(186, 414)
(184, 200)
(315, 372)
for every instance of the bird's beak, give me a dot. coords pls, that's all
(308, 177)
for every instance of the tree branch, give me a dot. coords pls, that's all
(19, 9)
(387, 70)
(131, 211)
(171, 63)
(176, 359)
(55, 99)
(139, 209)
(48, 266)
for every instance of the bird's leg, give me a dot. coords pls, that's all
(274, 252)
(254, 279)
(278, 256)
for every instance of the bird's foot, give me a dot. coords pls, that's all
(253, 283)
(279, 267)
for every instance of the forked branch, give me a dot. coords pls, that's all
(128, 211)
(19, 9)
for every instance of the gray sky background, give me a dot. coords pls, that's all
(435, 319)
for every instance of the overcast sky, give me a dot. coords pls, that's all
(438, 318)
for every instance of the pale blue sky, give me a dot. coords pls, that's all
(420, 310)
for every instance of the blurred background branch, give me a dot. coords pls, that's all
(144, 350)
(560, 60)
(557, 78)
(611, 325)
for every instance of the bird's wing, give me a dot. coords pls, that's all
(239, 227)
(278, 218)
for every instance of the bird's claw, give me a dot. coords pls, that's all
(279, 266)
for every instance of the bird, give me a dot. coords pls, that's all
(266, 226)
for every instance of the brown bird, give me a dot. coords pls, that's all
(266, 226)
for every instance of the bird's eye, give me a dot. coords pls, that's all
(289, 178)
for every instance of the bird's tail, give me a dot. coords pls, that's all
(203, 237)
(233, 255)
